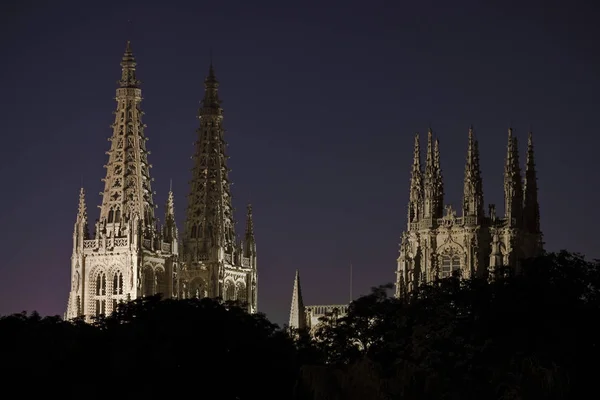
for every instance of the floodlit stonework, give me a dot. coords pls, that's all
(129, 255)
(438, 242)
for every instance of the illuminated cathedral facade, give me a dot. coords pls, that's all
(438, 242)
(129, 255)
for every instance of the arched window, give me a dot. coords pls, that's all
(240, 292)
(148, 282)
(194, 229)
(117, 283)
(118, 215)
(229, 291)
(197, 289)
(100, 303)
(101, 284)
(450, 263)
(111, 215)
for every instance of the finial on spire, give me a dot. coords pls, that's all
(128, 64)
(171, 185)
(249, 222)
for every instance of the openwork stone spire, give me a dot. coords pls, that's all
(127, 192)
(209, 220)
(297, 310)
(513, 186)
(473, 185)
(416, 186)
(531, 210)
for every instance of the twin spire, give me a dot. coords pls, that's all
(427, 187)
(427, 192)
(127, 193)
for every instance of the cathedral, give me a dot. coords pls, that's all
(129, 255)
(438, 243)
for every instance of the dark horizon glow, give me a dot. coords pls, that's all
(321, 105)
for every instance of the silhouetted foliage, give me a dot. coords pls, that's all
(529, 336)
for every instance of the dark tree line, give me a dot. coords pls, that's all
(530, 336)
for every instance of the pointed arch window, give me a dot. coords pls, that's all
(101, 284)
(229, 291)
(117, 283)
(450, 263)
(100, 291)
(240, 291)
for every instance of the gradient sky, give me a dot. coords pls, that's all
(321, 104)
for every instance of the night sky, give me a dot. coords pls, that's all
(321, 103)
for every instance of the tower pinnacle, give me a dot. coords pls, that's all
(82, 208)
(473, 186)
(432, 186)
(531, 208)
(513, 187)
(416, 186)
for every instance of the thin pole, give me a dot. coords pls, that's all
(351, 282)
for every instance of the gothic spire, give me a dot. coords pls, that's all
(438, 181)
(209, 216)
(297, 310)
(531, 208)
(432, 191)
(250, 243)
(513, 189)
(416, 186)
(170, 228)
(127, 191)
(82, 209)
(473, 186)
(81, 224)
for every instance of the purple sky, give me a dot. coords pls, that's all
(321, 104)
